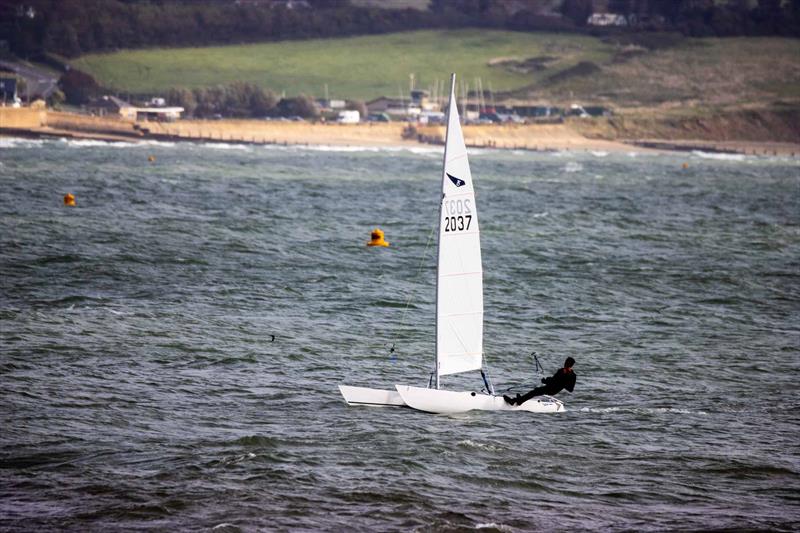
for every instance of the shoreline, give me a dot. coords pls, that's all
(37, 123)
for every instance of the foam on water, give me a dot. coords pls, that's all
(227, 146)
(643, 410)
(14, 142)
(94, 143)
(346, 149)
(719, 156)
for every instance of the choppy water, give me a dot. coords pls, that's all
(140, 388)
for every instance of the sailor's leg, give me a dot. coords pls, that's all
(538, 391)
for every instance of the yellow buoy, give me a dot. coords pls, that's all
(69, 199)
(377, 238)
(151, 158)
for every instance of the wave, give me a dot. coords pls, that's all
(718, 156)
(641, 410)
(18, 142)
(95, 143)
(419, 150)
(467, 443)
(495, 526)
(226, 526)
(258, 441)
(226, 146)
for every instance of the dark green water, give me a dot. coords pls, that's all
(140, 388)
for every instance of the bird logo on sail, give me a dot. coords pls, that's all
(456, 181)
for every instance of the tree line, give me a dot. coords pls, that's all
(73, 27)
(235, 100)
(240, 100)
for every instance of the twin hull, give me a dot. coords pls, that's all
(444, 401)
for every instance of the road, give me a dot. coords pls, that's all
(40, 81)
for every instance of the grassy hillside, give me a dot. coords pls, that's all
(560, 68)
(711, 72)
(358, 67)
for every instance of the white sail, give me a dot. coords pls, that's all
(459, 290)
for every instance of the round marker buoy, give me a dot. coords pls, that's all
(151, 158)
(69, 199)
(685, 166)
(377, 238)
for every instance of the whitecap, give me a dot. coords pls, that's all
(494, 525)
(93, 143)
(163, 144)
(641, 410)
(436, 151)
(227, 146)
(16, 142)
(467, 443)
(599, 153)
(719, 156)
(573, 166)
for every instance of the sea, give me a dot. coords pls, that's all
(172, 345)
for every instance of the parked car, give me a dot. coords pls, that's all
(349, 117)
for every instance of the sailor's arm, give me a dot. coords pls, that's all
(570, 382)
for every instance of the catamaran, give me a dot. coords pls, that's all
(459, 301)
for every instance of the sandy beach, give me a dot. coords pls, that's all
(539, 137)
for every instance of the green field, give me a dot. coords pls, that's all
(760, 71)
(357, 67)
(558, 68)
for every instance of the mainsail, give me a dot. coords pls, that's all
(459, 287)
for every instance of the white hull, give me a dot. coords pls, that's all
(449, 402)
(367, 396)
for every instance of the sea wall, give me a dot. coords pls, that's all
(84, 123)
(21, 118)
(278, 132)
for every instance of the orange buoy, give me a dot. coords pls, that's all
(377, 238)
(69, 199)
(685, 166)
(151, 158)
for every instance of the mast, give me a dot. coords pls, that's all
(439, 232)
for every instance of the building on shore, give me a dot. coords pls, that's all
(396, 108)
(113, 106)
(8, 90)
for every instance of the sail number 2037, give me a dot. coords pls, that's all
(457, 215)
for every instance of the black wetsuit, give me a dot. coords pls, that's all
(553, 385)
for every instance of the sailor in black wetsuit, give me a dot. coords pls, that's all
(563, 379)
